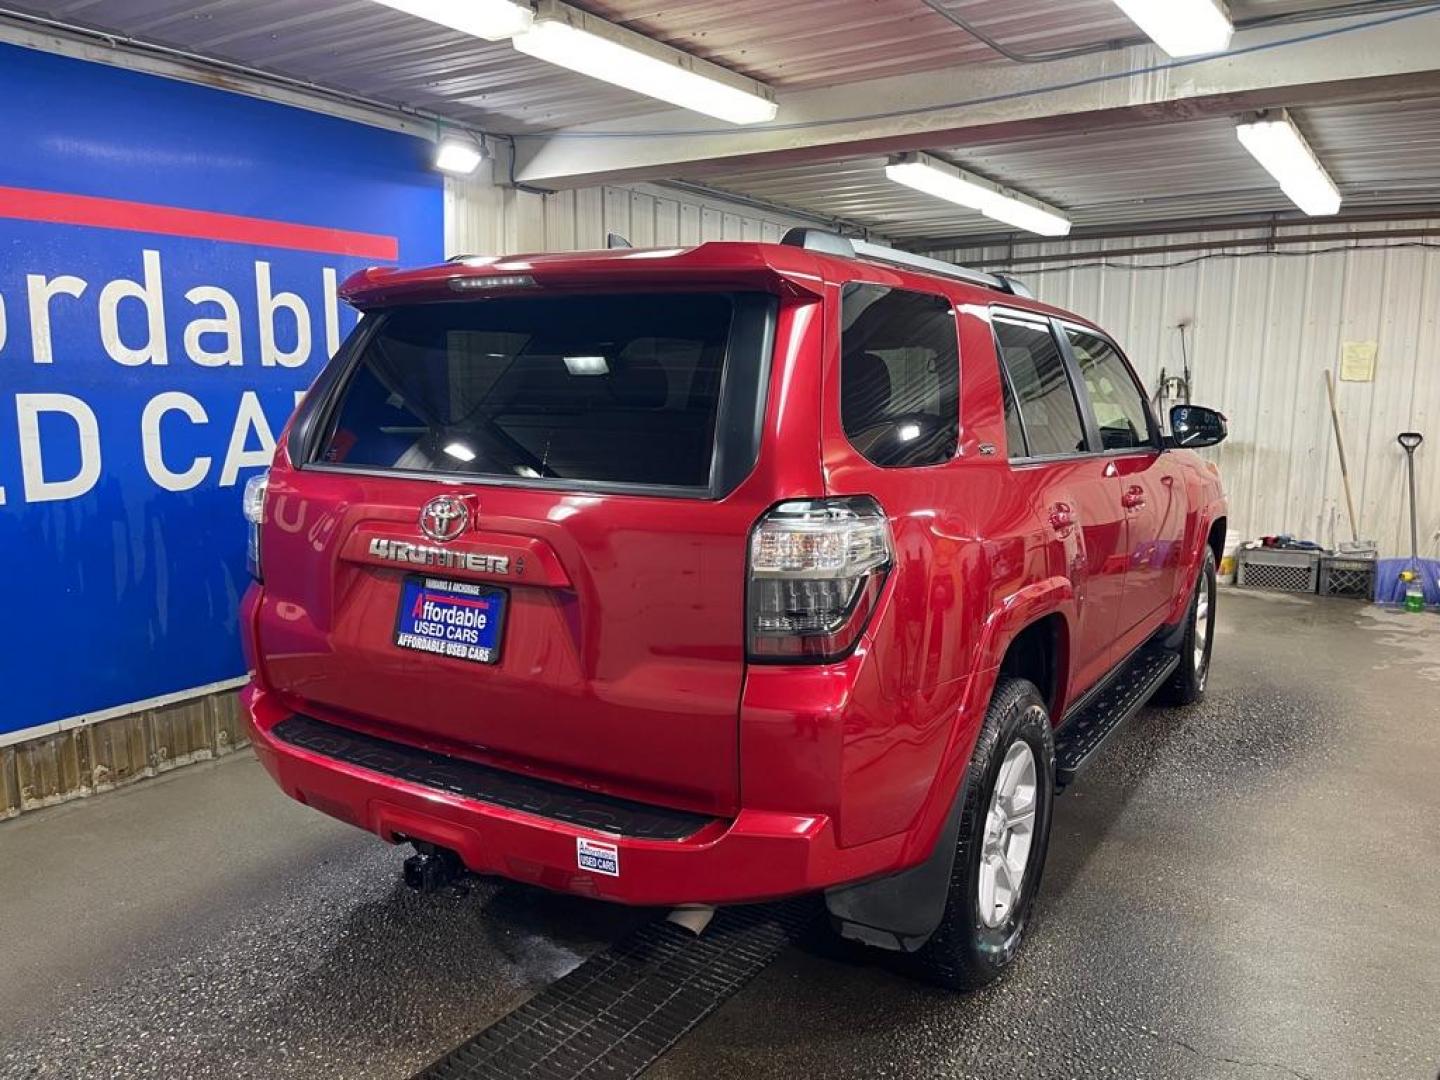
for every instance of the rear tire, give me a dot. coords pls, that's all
(1195, 638)
(985, 914)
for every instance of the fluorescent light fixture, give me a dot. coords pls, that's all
(1182, 27)
(1276, 143)
(586, 365)
(908, 432)
(458, 154)
(459, 451)
(493, 20)
(944, 181)
(582, 42)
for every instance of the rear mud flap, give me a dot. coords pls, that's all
(900, 912)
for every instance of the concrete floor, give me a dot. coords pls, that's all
(1244, 890)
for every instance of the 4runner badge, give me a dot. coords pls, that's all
(402, 551)
(444, 518)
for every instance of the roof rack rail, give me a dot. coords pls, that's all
(1016, 286)
(832, 243)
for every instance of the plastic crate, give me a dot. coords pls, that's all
(1278, 570)
(1346, 575)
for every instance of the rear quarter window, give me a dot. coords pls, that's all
(1042, 413)
(899, 376)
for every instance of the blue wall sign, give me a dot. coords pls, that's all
(169, 256)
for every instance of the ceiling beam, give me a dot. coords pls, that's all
(1344, 60)
(1353, 237)
(1266, 222)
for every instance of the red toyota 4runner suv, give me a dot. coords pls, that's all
(723, 574)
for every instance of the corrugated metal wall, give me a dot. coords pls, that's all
(1263, 329)
(484, 218)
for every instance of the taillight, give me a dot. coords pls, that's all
(253, 503)
(816, 570)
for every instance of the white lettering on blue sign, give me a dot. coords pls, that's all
(213, 335)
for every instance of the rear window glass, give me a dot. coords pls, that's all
(614, 388)
(899, 376)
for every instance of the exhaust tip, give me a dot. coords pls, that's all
(692, 917)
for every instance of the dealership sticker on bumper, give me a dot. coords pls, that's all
(597, 856)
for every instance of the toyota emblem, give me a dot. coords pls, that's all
(444, 518)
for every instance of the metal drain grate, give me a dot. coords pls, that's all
(619, 1011)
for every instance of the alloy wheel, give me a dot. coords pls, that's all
(1009, 833)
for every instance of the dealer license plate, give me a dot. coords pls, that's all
(451, 618)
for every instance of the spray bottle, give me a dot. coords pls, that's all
(1414, 591)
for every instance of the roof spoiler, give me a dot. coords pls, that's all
(832, 243)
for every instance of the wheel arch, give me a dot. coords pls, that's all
(1209, 536)
(1040, 652)
(1216, 537)
(1026, 635)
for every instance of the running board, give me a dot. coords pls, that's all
(1120, 697)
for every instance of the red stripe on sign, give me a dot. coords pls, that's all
(445, 598)
(61, 209)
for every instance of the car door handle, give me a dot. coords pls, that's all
(1133, 499)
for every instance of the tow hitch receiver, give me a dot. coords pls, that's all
(432, 868)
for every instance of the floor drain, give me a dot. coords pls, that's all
(620, 1010)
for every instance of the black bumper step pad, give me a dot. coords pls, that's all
(619, 1011)
(1120, 698)
(587, 809)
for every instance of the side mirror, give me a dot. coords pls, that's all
(1194, 426)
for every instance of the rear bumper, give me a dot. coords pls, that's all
(758, 855)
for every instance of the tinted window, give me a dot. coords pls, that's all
(604, 388)
(899, 376)
(1119, 406)
(1014, 432)
(1042, 389)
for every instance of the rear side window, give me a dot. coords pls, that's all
(1120, 410)
(899, 376)
(1014, 433)
(619, 388)
(1041, 389)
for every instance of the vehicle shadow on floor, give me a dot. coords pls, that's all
(429, 970)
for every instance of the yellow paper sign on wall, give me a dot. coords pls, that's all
(1357, 361)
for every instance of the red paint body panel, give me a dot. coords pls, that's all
(623, 666)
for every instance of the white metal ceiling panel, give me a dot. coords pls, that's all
(363, 48)
(1380, 154)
